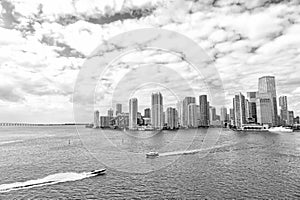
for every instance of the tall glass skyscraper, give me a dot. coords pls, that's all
(204, 109)
(267, 88)
(157, 110)
(118, 108)
(185, 104)
(283, 110)
(133, 110)
(239, 108)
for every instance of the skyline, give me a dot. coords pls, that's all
(258, 108)
(42, 49)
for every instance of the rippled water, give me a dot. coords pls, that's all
(39, 162)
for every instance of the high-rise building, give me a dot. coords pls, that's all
(204, 111)
(96, 119)
(185, 103)
(192, 115)
(179, 106)
(291, 118)
(264, 109)
(283, 110)
(110, 113)
(157, 110)
(239, 108)
(198, 114)
(147, 113)
(133, 110)
(223, 116)
(267, 87)
(104, 121)
(118, 108)
(171, 118)
(212, 114)
(231, 116)
(252, 116)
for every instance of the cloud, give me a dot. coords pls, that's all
(44, 44)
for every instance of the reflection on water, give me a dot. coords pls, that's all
(239, 165)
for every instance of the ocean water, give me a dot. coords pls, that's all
(54, 162)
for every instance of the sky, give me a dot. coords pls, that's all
(45, 44)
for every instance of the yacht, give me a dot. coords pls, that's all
(253, 128)
(280, 130)
(152, 154)
(98, 172)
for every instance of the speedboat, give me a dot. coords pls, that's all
(152, 154)
(280, 130)
(98, 172)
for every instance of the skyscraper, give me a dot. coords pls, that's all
(267, 87)
(252, 106)
(223, 116)
(118, 108)
(171, 118)
(185, 103)
(192, 115)
(147, 113)
(133, 109)
(212, 114)
(204, 108)
(283, 110)
(96, 119)
(239, 108)
(291, 118)
(157, 110)
(110, 113)
(264, 109)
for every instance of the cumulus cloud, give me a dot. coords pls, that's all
(43, 45)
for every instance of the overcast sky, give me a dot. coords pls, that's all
(44, 43)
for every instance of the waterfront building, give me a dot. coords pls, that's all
(105, 121)
(204, 111)
(96, 119)
(198, 114)
(185, 103)
(147, 113)
(157, 110)
(231, 116)
(283, 110)
(122, 120)
(267, 87)
(171, 118)
(239, 110)
(118, 108)
(264, 109)
(252, 116)
(291, 118)
(110, 113)
(192, 115)
(212, 114)
(223, 115)
(133, 110)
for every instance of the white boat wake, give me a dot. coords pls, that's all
(194, 151)
(48, 180)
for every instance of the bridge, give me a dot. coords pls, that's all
(38, 124)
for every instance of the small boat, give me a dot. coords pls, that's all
(152, 154)
(280, 130)
(98, 172)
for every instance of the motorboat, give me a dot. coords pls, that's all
(152, 154)
(280, 129)
(98, 172)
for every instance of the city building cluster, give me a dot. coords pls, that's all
(258, 108)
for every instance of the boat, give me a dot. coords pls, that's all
(152, 154)
(280, 129)
(253, 128)
(98, 172)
